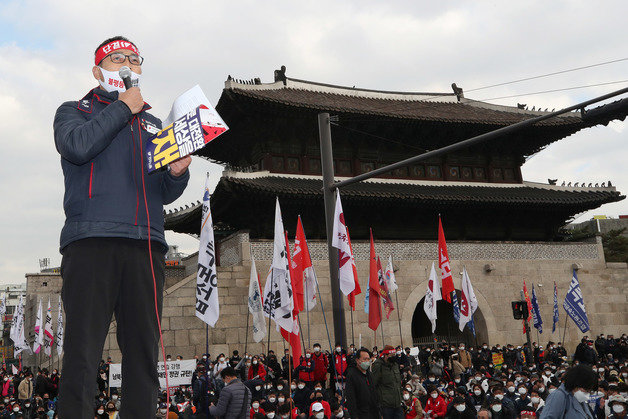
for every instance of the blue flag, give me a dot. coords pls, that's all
(454, 301)
(471, 326)
(574, 305)
(536, 313)
(366, 302)
(555, 320)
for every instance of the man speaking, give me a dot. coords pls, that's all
(113, 242)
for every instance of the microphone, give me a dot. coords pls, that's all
(125, 75)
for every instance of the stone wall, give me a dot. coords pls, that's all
(604, 288)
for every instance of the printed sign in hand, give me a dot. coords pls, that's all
(187, 133)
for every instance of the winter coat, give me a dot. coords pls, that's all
(387, 380)
(234, 401)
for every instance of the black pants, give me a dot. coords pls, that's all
(103, 276)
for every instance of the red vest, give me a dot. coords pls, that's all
(341, 364)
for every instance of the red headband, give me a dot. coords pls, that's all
(112, 46)
(388, 352)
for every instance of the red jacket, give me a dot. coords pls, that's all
(261, 371)
(306, 369)
(437, 407)
(321, 366)
(253, 412)
(340, 362)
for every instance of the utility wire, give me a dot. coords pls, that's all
(548, 74)
(556, 90)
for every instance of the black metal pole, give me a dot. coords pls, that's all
(352, 332)
(206, 338)
(471, 141)
(327, 162)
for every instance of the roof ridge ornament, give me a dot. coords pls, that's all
(457, 91)
(280, 75)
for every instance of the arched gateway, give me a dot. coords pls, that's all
(446, 327)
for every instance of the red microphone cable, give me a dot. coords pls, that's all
(150, 255)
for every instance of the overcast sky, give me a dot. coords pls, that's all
(46, 55)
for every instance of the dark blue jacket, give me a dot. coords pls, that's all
(102, 160)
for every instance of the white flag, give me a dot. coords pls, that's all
(17, 329)
(432, 296)
(390, 276)
(468, 302)
(3, 306)
(60, 329)
(340, 241)
(48, 334)
(14, 370)
(39, 331)
(278, 302)
(206, 281)
(255, 305)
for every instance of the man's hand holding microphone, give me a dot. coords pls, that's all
(132, 97)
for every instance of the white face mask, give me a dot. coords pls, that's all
(162, 411)
(618, 408)
(281, 399)
(581, 396)
(340, 414)
(100, 411)
(320, 415)
(279, 387)
(113, 82)
(499, 396)
(301, 386)
(477, 392)
(497, 408)
(270, 415)
(255, 405)
(535, 400)
(434, 395)
(406, 396)
(522, 391)
(271, 399)
(460, 407)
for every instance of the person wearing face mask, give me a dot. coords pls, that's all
(256, 408)
(387, 380)
(100, 412)
(306, 368)
(257, 372)
(477, 396)
(25, 389)
(317, 411)
(319, 399)
(301, 396)
(459, 409)
(411, 405)
(523, 398)
(618, 407)
(362, 398)
(436, 406)
(416, 387)
(570, 400)
(105, 238)
(340, 364)
(456, 368)
(507, 405)
(464, 357)
(338, 412)
(321, 364)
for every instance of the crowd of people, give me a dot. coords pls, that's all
(442, 380)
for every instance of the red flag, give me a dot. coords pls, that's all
(528, 303)
(383, 289)
(375, 308)
(292, 338)
(305, 281)
(443, 263)
(357, 290)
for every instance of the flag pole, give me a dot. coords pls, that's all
(381, 324)
(565, 330)
(399, 318)
(352, 332)
(307, 315)
(270, 305)
(300, 333)
(246, 335)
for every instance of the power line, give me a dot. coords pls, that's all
(556, 90)
(549, 74)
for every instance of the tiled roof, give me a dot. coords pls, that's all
(465, 111)
(423, 191)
